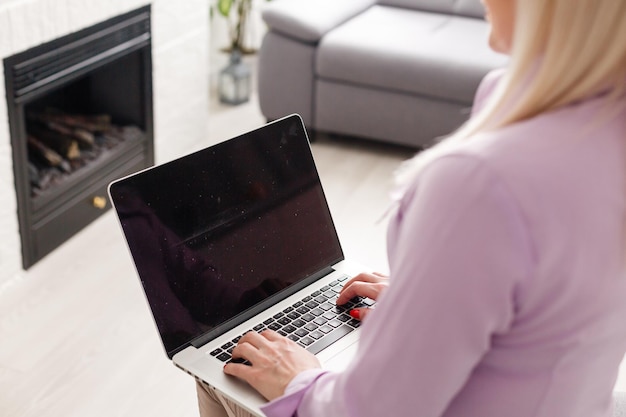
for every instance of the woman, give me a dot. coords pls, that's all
(506, 250)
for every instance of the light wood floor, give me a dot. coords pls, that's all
(76, 336)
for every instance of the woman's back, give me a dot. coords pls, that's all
(565, 175)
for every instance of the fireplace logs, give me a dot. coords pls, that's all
(60, 143)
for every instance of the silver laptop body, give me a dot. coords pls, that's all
(238, 237)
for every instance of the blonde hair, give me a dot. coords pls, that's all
(562, 51)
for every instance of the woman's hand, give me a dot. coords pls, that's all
(275, 361)
(364, 285)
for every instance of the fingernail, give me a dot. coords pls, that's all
(355, 313)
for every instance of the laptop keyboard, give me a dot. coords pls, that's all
(315, 322)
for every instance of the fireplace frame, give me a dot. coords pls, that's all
(45, 222)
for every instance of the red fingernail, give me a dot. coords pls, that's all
(355, 313)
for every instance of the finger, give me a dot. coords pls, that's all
(246, 351)
(363, 289)
(380, 274)
(239, 370)
(272, 336)
(255, 339)
(366, 277)
(360, 313)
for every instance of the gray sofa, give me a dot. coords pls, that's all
(402, 71)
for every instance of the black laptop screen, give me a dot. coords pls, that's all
(216, 232)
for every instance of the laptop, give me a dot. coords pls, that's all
(238, 237)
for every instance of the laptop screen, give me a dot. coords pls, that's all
(215, 233)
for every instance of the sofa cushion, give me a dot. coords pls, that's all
(410, 51)
(470, 8)
(307, 20)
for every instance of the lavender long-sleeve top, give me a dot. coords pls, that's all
(508, 292)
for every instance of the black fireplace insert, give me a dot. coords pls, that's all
(80, 115)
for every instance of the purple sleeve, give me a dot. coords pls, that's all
(289, 402)
(458, 250)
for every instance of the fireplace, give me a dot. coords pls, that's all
(80, 115)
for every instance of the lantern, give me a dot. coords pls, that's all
(234, 81)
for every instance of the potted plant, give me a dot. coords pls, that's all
(234, 80)
(237, 23)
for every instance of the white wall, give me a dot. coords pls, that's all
(180, 57)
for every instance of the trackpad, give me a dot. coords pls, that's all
(341, 360)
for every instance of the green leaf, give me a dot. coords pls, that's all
(224, 7)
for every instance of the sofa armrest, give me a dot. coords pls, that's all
(309, 20)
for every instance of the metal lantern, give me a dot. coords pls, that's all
(234, 81)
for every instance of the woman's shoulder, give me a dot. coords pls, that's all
(486, 87)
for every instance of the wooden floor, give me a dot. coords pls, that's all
(76, 336)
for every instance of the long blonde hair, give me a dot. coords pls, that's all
(562, 51)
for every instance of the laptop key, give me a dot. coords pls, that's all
(320, 321)
(334, 323)
(344, 317)
(326, 328)
(310, 327)
(354, 323)
(223, 356)
(298, 323)
(303, 310)
(240, 360)
(329, 339)
(258, 327)
(274, 326)
(316, 334)
(227, 345)
(317, 312)
(293, 337)
(307, 317)
(369, 302)
(301, 332)
(306, 341)
(289, 328)
(297, 304)
(329, 315)
(215, 352)
(293, 315)
(339, 309)
(284, 321)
